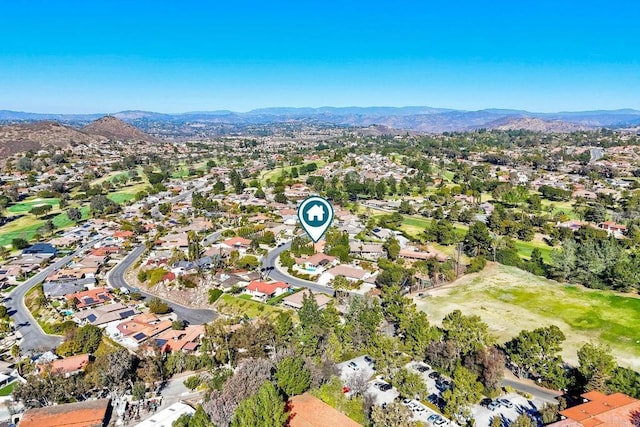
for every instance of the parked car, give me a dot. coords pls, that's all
(384, 386)
(436, 400)
(505, 402)
(434, 375)
(353, 365)
(493, 405)
(436, 420)
(368, 360)
(423, 367)
(440, 421)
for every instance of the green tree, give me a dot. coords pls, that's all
(477, 241)
(392, 246)
(394, 414)
(157, 306)
(264, 409)
(466, 391)
(89, 336)
(524, 420)
(537, 352)
(74, 214)
(469, 333)
(596, 366)
(19, 243)
(292, 376)
(409, 384)
(198, 419)
(417, 333)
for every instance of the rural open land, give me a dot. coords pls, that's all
(509, 300)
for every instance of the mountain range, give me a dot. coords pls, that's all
(36, 135)
(416, 118)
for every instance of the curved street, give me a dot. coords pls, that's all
(33, 337)
(116, 279)
(277, 273)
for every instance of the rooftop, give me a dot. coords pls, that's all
(90, 413)
(309, 411)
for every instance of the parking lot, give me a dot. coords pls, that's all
(507, 407)
(383, 393)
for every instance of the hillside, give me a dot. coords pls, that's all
(36, 136)
(535, 125)
(115, 129)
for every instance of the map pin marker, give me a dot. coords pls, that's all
(316, 215)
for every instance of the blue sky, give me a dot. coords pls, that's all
(177, 56)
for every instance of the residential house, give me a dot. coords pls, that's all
(67, 367)
(105, 314)
(186, 340)
(263, 291)
(612, 228)
(168, 416)
(351, 273)
(58, 289)
(370, 251)
(141, 328)
(315, 261)
(295, 300)
(45, 250)
(416, 255)
(89, 298)
(237, 243)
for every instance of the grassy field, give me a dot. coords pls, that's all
(241, 307)
(274, 173)
(27, 205)
(127, 194)
(27, 225)
(510, 300)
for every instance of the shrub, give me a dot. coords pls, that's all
(214, 294)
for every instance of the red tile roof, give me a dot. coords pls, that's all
(237, 241)
(602, 410)
(91, 297)
(90, 413)
(266, 288)
(309, 411)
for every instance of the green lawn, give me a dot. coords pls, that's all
(274, 173)
(509, 300)
(127, 194)
(234, 306)
(23, 228)
(27, 225)
(27, 205)
(6, 390)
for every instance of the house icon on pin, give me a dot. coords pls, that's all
(315, 214)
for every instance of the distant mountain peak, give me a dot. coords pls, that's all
(113, 128)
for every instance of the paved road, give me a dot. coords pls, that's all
(278, 274)
(543, 394)
(116, 279)
(34, 337)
